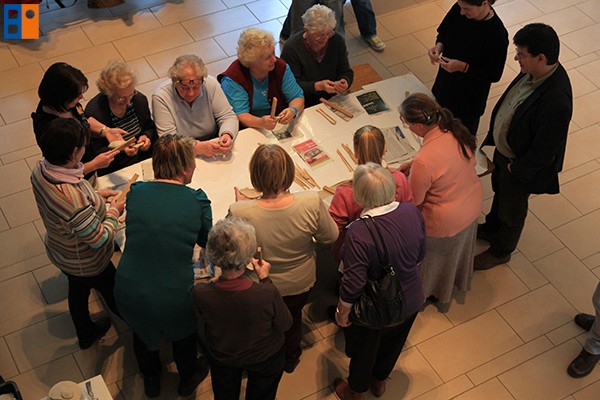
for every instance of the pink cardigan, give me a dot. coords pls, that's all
(445, 185)
(344, 209)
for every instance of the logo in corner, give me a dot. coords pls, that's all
(21, 20)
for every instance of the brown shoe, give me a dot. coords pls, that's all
(378, 387)
(487, 260)
(343, 391)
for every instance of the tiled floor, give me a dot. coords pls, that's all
(511, 337)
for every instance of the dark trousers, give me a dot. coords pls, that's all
(80, 288)
(184, 355)
(506, 219)
(293, 336)
(263, 378)
(374, 352)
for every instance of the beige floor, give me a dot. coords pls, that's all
(512, 336)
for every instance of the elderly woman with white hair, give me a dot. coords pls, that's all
(120, 105)
(318, 56)
(193, 104)
(256, 78)
(235, 304)
(396, 231)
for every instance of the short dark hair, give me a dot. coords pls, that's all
(538, 39)
(478, 3)
(61, 85)
(61, 138)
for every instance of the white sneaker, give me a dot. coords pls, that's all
(376, 43)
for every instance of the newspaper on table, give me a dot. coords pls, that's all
(398, 147)
(348, 103)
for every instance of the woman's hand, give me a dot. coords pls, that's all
(208, 148)
(226, 143)
(112, 134)
(434, 53)
(262, 269)
(103, 160)
(131, 150)
(287, 115)
(106, 193)
(325, 86)
(118, 204)
(452, 65)
(341, 86)
(268, 122)
(405, 167)
(146, 140)
(342, 315)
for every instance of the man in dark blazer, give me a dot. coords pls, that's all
(529, 127)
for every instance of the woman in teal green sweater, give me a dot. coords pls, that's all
(155, 276)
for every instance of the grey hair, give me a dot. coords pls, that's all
(251, 43)
(231, 244)
(319, 18)
(185, 61)
(373, 185)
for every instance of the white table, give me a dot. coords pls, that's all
(217, 176)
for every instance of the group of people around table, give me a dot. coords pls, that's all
(426, 211)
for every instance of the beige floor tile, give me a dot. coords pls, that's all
(577, 172)
(525, 315)
(469, 345)
(152, 42)
(45, 341)
(549, 6)
(36, 383)
(217, 67)
(566, 20)
(310, 333)
(544, 377)
(413, 19)
(19, 244)
(325, 394)
(581, 236)
(19, 106)
(448, 390)
(220, 22)
(536, 240)
(564, 333)
(24, 266)
(319, 366)
(132, 387)
(3, 224)
(581, 61)
(315, 314)
(133, 6)
(591, 71)
(582, 146)
(509, 360)
(206, 49)
(356, 45)
(7, 364)
(228, 41)
(266, 10)
(235, 3)
(583, 192)
(88, 59)
(592, 261)
(517, 11)
(399, 69)
(16, 136)
(588, 393)
(20, 79)
(584, 108)
(27, 319)
(422, 68)
(554, 210)
(382, 7)
(77, 15)
(19, 208)
(143, 71)
(15, 178)
(491, 389)
(170, 13)
(575, 283)
(7, 61)
(400, 49)
(58, 43)
(426, 36)
(525, 270)
(53, 283)
(591, 8)
(429, 323)
(581, 85)
(489, 289)
(583, 41)
(110, 29)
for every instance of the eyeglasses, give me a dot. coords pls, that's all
(324, 36)
(126, 99)
(520, 56)
(189, 84)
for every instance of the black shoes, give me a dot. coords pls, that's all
(486, 260)
(585, 321)
(102, 326)
(583, 364)
(187, 387)
(152, 386)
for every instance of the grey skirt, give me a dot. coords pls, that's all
(448, 263)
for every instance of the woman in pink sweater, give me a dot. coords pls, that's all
(369, 146)
(447, 191)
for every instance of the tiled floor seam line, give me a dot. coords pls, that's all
(23, 260)
(546, 255)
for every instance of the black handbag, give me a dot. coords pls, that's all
(381, 305)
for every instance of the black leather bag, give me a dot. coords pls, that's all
(382, 303)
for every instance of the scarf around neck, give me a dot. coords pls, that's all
(61, 174)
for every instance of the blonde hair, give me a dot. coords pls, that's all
(272, 170)
(319, 18)
(116, 75)
(172, 156)
(369, 144)
(186, 61)
(251, 43)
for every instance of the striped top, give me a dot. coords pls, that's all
(128, 122)
(79, 229)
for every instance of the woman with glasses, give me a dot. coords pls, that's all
(193, 104)
(256, 78)
(447, 190)
(119, 105)
(318, 56)
(470, 50)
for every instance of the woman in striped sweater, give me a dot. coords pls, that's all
(79, 228)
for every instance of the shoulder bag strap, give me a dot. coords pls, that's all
(382, 259)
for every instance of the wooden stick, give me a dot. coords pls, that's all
(127, 187)
(344, 160)
(350, 153)
(273, 107)
(336, 107)
(127, 143)
(328, 189)
(260, 257)
(327, 117)
(301, 182)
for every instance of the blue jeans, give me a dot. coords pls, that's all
(365, 17)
